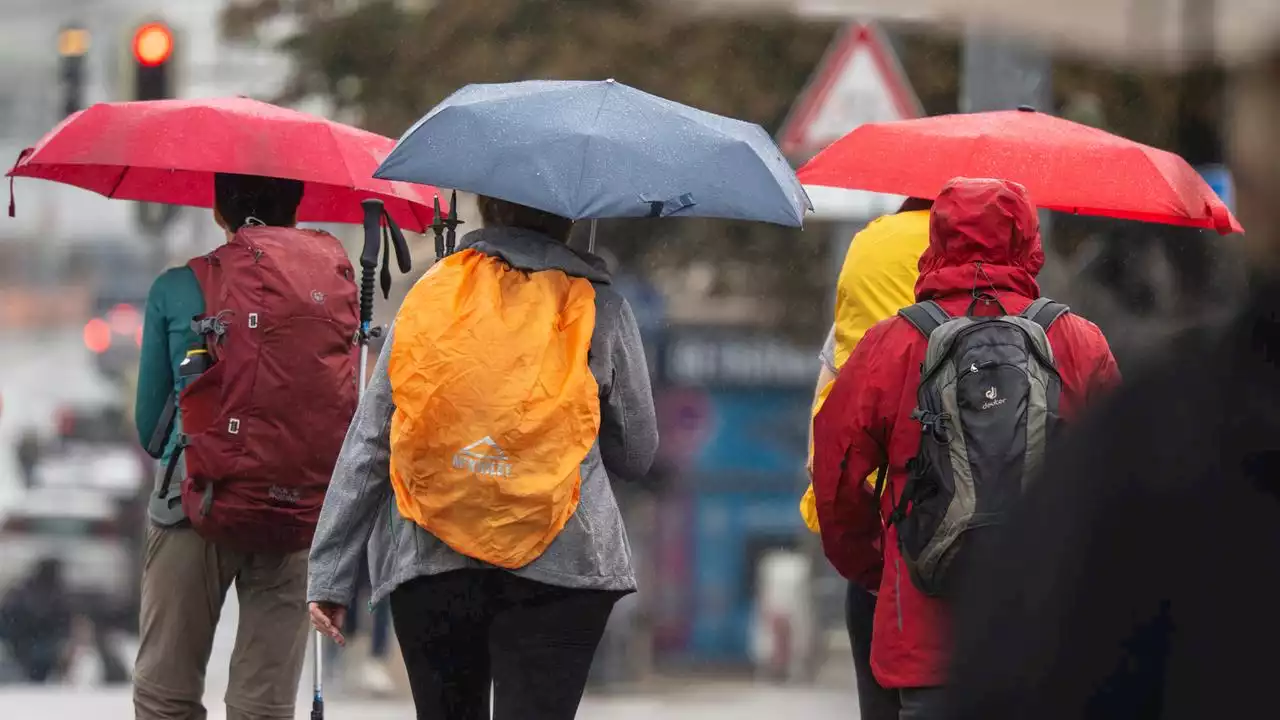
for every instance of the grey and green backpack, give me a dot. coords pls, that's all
(988, 405)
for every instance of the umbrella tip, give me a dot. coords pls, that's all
(1026, 108)
(610, 80)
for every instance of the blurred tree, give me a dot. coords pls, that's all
(394, 62)
(391, 61)
(1177, 113)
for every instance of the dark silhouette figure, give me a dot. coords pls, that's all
(35, 621)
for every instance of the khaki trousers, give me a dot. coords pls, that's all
(184, 583)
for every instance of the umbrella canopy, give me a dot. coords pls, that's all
(598, 150)
(1066, 166)
(167, 151)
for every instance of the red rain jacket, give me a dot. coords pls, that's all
(983, 234)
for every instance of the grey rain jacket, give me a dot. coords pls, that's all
(591, 552)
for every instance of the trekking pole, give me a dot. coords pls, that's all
(373, 212)
(451, 225)
(437, 229)
(445, 227)
(374, 216)
(378, 227)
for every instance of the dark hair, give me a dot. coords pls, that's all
(273, 201)
(501, 213)
(913, 204)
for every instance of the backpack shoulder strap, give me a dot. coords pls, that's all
(205, 272)
(926, 316)
(164, 426)
(1044, 312)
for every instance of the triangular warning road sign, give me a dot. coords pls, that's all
(859, 81)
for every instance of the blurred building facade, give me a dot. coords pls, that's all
(51, 216)
(1236, 41)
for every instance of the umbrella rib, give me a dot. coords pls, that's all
(119, 181)
(337, 147)
(1189, 212)
(582, 171)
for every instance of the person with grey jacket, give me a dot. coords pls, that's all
(463, 625)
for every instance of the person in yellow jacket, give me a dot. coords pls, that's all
(877, 280)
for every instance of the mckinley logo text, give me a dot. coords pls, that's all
(483, 457)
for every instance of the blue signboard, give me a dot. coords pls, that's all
(734, 410)
(731, 530)
(755, 432)
(1219, 178)
(711, 358)
(647, 303)
(742, 455)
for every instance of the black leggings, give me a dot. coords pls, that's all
(460, 630)
(874, 702)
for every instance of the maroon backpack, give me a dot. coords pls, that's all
(263, 423)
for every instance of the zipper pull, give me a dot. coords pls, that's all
(976, 367)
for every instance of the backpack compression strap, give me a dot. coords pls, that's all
(926, 316)
(1044, 312)
(929, 316)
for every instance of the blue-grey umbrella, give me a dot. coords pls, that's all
(598, 150)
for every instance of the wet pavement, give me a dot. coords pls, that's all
(28, 360)
(719, 702)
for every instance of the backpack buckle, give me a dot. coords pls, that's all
(210, 325)
(934, 425)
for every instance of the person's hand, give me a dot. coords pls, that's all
(329, 618)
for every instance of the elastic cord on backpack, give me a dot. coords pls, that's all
(976, 294)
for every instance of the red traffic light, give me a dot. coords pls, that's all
(153, 44)
(97, 336)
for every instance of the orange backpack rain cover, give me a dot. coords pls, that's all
(496, 407)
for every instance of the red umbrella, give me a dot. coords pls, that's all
(1066, 166)
(167, 151)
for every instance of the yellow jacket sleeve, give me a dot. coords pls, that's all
(877, 280)
(808, 504)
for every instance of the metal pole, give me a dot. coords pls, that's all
(1002, 74)
(591, 240)
(373, 212)
(317, 698)
(998, 73)
(1199, 141)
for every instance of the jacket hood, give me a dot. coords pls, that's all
(983, 234)
(532, 251)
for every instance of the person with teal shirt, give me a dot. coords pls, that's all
(173, 301)
(185, 578)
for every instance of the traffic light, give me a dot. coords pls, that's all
(73, 45)
(152, 61)
(151, 53)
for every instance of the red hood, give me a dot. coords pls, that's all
(974, 221)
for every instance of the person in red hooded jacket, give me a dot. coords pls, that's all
(984, 242)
